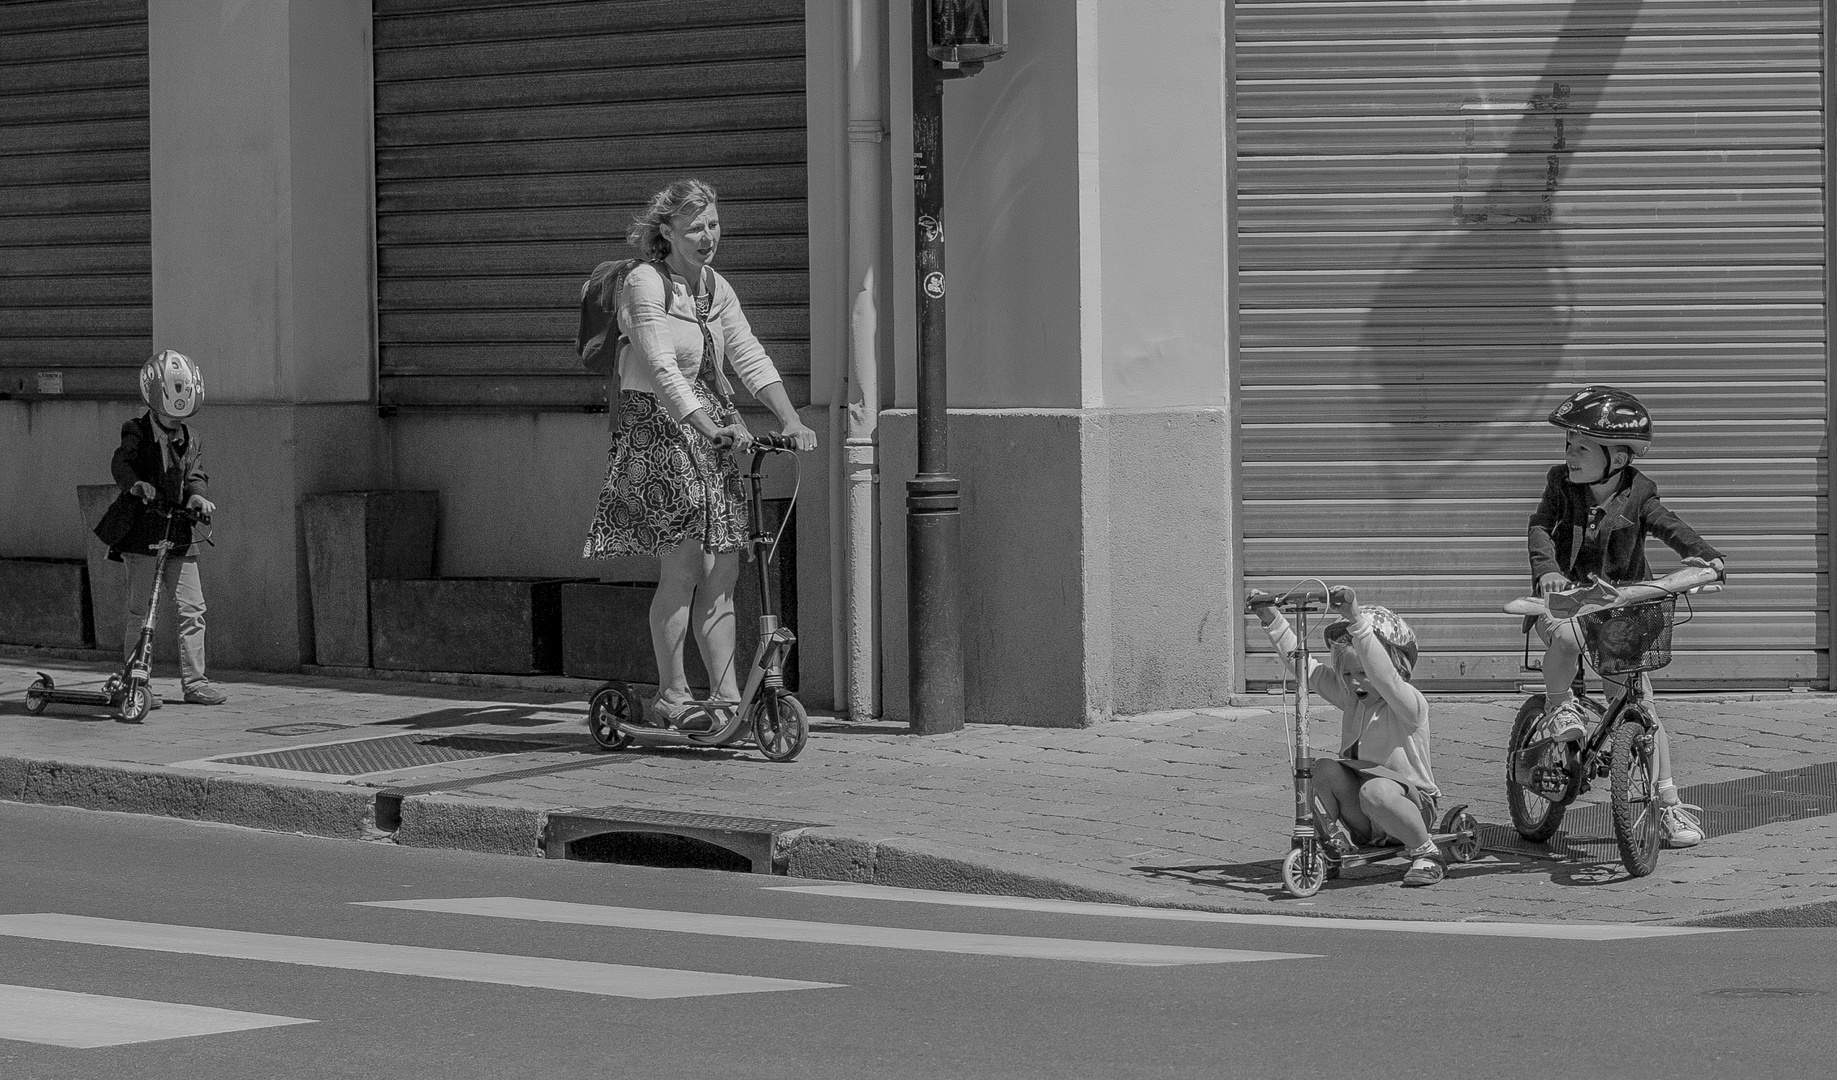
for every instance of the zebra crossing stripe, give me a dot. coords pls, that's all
(1545, 931)
(541, 972)
(880, 937)
(86, 1021)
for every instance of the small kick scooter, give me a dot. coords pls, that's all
(775, 719)
(1312, 860)
(128, 691)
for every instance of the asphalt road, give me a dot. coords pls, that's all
(277, 949)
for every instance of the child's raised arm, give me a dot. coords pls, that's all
(1406, 702)
(1320, 680)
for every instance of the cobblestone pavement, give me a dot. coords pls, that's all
(1190, 808)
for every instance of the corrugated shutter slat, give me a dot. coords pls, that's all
(76, 264)
(515, 140)
(1452, 215)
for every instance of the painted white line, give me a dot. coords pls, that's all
(1550, 931)
(878, 937)
(86, 1021)
(581, 977)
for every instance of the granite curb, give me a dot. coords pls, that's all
(503, 827)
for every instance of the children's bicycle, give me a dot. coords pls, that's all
(1626, 633)
(1312, 860)
(779, 726)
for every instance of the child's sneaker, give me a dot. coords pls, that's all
(1564, 723)
(203, 693)
(1681, 825)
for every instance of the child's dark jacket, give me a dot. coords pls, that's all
(1563, 541)
(139, 458)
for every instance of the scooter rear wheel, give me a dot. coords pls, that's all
(780, 725)
(612, 704)
(136, 704)
(36, 695)
(1466, 845)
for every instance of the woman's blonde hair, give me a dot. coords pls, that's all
(687, 196)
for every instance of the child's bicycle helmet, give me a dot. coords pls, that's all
(1399, 640)
(1608, 414)
(171, 384)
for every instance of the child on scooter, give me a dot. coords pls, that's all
(1381, 781)
(1593, 521)
(158, 461)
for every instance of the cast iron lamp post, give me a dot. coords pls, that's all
(951, 39)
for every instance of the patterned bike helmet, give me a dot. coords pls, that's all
(1399, 640)
(171, 384)
(1608, 414)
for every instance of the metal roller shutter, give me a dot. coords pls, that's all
(514, 141)
(76, 259)
(1453, 213)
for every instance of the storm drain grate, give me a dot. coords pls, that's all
(1731, 806)
(1766, 798)
(387, 754)
(754, 840)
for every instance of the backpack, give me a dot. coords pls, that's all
(598, 341)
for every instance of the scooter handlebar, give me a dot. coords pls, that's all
(1293, 600)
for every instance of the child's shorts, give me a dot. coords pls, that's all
(1370, 770)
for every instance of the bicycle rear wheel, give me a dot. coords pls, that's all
(1635, 798)
(1536, 777)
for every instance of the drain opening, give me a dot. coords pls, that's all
(665, 850)
(388, 810)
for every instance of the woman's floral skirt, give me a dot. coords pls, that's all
(666, 484)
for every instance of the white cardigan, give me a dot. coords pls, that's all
(664, 354)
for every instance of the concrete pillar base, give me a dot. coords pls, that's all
(1098, 562)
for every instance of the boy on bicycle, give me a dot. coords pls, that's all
(1381, 782)
(1596, 513)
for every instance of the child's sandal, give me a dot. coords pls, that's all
(1426, 870)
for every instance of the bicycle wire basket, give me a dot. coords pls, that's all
(1632, 638)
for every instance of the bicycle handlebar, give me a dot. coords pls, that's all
(1689, 579)
(775, 442)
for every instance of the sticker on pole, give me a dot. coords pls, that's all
(934, 285)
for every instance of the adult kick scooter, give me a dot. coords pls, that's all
(767, 710)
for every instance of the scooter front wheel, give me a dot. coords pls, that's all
(1304, 871)
(137, 703)
(612, 704)
(37, 695)
(780, 725)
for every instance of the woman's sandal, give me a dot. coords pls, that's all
(694, 717)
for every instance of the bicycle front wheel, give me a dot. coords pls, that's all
(1536, 776)
(1635, 798)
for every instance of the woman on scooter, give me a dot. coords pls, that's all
(1381, 781)
(673, 485)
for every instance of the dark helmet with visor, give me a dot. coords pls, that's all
(1607, 414)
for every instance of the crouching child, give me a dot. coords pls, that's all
(1378, 787)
